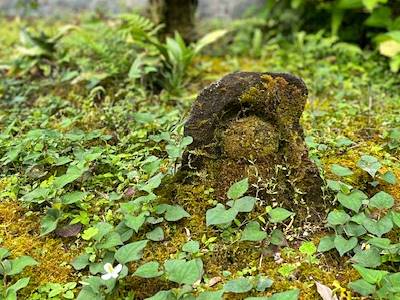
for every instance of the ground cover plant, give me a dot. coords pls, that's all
(92, 111)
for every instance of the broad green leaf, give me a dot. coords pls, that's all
(362, 287)
(239, 285)
(110, 240)
(148, 270)
(353, 229)
(73, 173)
(135, 222)
(90, 233)
(175, 213)
(184, 272)
(73, 197)
(238, 189)
(389, 177)
(341, 171)
(81, 262)
(156, 235)
(153, 183)
(252, 232)
(352, 201)
(20, 263)
(211, 295)
(371, 4)
(163, 295)
(381, 200)
(379, 227)
(369, 164)
(369, 275)
(219, 215)
(343, 246)
(20, 284)
(279, 214)
(191, 247)
(326, 243)
(382, 243)
(367, 258)
(278, 238)
(4, 253)
(49, 222)
(130, 252)
(263, 283)
(338, 217)
(396, 218)
(244, 204)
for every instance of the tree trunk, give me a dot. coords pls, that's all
(177, 15)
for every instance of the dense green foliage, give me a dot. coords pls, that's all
(91, 119)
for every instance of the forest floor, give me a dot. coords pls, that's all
(81, 139)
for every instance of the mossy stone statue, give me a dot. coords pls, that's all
(247, 125)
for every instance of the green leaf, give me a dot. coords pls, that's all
(369, 275)
(20, 263)
(326, 243)
(211, 295)
(130, 252)
(191, 247)
(72, 197)
(352, 201)
(156, 235)
(341, 171)
(90, 233)
(49, 222)
(20, 284)
(162, 295)
(382, 243)
(389, 177)
(279, 214)
(184, 272)
(381, 200)
(175, 213)
(278, 238)
(73, 173)
(4, 253)
(208, 39)
(308, 248)
(362, 287)
(371, 4)
(380, 227)
(369, 164)
(343, 246)
(219, 215)
(153, 183)
(367, 258)
(353, 229)
(110, 240)
(81, 262)
(244, 204)
(338, 217)
(396, 218)
(239, 285)
(135, 222)
(252, 232)
(238, 189)
(263, 283)
(148, 270)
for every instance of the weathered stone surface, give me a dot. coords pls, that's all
(247, 125)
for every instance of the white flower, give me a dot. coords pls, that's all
(111, 272)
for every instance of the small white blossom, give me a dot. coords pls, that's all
(111, 272)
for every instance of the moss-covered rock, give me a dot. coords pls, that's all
(247, 125)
